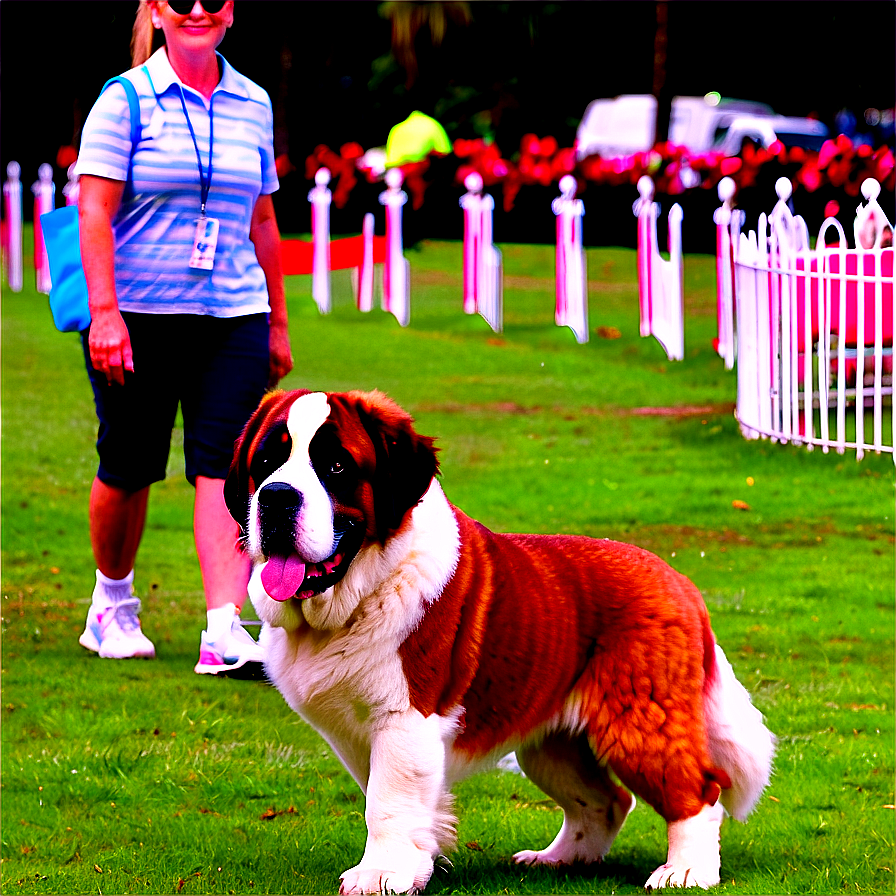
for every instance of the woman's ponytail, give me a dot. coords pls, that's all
(142, 36)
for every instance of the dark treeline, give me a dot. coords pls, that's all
(499, 70)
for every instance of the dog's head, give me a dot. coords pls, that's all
(316, 477)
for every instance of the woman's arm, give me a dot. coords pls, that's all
(265, 234)
(109, 342)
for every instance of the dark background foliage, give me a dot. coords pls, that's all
(501, 70)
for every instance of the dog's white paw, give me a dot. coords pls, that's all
(365, 879)
(671, 876)
(376, 880)
(538, 857)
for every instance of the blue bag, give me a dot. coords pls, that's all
(68, 289)
(62, 239)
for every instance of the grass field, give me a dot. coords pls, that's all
(142, 777)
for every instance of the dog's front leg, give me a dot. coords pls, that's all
(408, 817)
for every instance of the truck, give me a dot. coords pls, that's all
(766, 130)
(626, 124)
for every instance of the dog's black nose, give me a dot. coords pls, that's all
(279, 497)
(278, 505)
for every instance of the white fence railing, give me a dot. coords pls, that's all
(814, 329)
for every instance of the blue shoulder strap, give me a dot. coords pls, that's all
(133, 106)
(133, 109)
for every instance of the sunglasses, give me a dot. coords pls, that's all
(185, 7)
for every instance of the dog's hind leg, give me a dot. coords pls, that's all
(594, 807)
(742, 748)
(693, 859)
(739, 742)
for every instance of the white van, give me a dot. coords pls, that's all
(763, 131)
(627, 124)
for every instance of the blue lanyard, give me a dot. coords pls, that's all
(204, 182)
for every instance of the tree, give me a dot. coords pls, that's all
(660, 88)
(408, 18)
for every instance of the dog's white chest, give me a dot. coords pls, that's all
(332, 679)
(340, 687)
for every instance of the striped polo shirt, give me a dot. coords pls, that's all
(155, 226)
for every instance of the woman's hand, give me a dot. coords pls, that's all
(109, 341)
(265, 235)
(110, 345)
(281, 352)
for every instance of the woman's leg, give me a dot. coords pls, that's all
(224, 568)
(229, 377)
(133, 438)
(117, 518)
(225, 645)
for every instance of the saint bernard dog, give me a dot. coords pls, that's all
(423, 647)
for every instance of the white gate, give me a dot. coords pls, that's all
(815, 330)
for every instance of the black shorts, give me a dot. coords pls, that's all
(216, 369)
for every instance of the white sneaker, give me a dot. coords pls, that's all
(231, 652)
(113, 631)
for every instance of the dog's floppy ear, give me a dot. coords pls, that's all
(238, 486)
(406, 461)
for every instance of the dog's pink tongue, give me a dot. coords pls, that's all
(282, 576)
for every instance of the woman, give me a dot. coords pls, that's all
(181, 255)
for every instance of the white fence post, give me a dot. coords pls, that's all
(320, 198)
(470, 203)
(571, 270)
(397, 273)
(491, 271)
(874, 233)
(806, 317)
(72, 188)
(12, 198)
(364, 274)
(728, 221)
(660, 283)
(483, 266)
(44, 202)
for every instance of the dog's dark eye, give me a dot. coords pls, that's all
(333, 463)
(337, 465)
(273, 452)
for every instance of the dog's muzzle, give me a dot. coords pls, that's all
(278, 507)
(286, 573)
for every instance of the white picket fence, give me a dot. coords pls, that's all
(814, 329)
(377, 263)
(660, 282)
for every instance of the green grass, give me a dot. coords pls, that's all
(141, 777)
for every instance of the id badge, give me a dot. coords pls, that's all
(204, 244)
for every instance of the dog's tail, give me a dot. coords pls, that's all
(739, 742)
